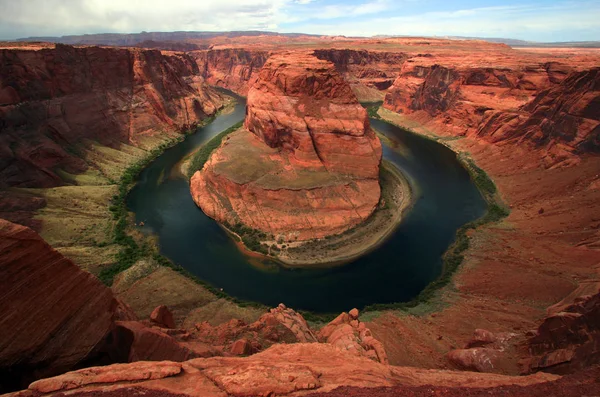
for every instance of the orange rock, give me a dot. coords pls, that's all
(110, 374)
(54, 315)
(347, 333)
(163, 316)
(280, 370)
(148, 344)
(241, 347)
(310, 168)
(476, 359)
(54, 99)
(481, 337)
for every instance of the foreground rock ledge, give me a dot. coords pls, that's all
(281, 370)
(306, 163)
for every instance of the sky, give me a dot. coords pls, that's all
(533, 20)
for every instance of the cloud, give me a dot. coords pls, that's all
(573, 20)
(59, 17)
(549, 21)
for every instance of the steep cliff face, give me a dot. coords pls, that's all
(545, 106)
(307, 163)
(54, 315)
(233, 68)
(457, 97)
(372, 69)
(55, 102)
(562, 120)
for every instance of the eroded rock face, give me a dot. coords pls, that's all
(54, 102)
(233, 68)
(568, 339)
(307, 163)
(54, 315)
(551, 106)
(563, 120)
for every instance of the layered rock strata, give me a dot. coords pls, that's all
(54, 315)
(57, 102)
(306, 163)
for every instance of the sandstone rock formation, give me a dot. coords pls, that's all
(347, 333)
(279, 325)
(56, 102)
(550, 105)
(54, 315)
(568, 339)
(163, 317)
(307, 163)
(233, 68)
(281, 370)
(563, 120)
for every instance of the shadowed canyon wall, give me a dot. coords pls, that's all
(54, 103)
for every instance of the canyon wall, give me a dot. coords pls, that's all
(307, 163)
(233, 68)
(550, 105)
(562, 120)
(56, 102)
(54, 315)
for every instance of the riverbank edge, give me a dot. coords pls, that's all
(454, 255)
(131, 250)
(404, 206)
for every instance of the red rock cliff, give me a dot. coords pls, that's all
(563, 120)
(53, 102)
(310, 167)
(54, 315)
(233, 68)
(548, 105)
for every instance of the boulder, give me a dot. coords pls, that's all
(163, 317)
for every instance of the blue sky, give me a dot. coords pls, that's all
(557, 20)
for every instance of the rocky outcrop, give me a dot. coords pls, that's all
(279, 325)
(54, 315)
(141, 343)
(281, 370)
(542, 104)
(163, 317)
(563, 120)
(56, 102)
(347, 333)
(305, 166)
(233, 68)
(568, 339)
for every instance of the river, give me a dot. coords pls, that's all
(445, 199)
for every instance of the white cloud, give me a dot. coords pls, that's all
(58, 17)
(562, 22)
(570, 20)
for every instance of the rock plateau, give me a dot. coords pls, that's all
(306, 163)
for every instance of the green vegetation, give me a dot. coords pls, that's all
(130, 251)
(251, 237)
(372, 109)
(201, 156)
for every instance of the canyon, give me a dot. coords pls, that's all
(524, 300)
